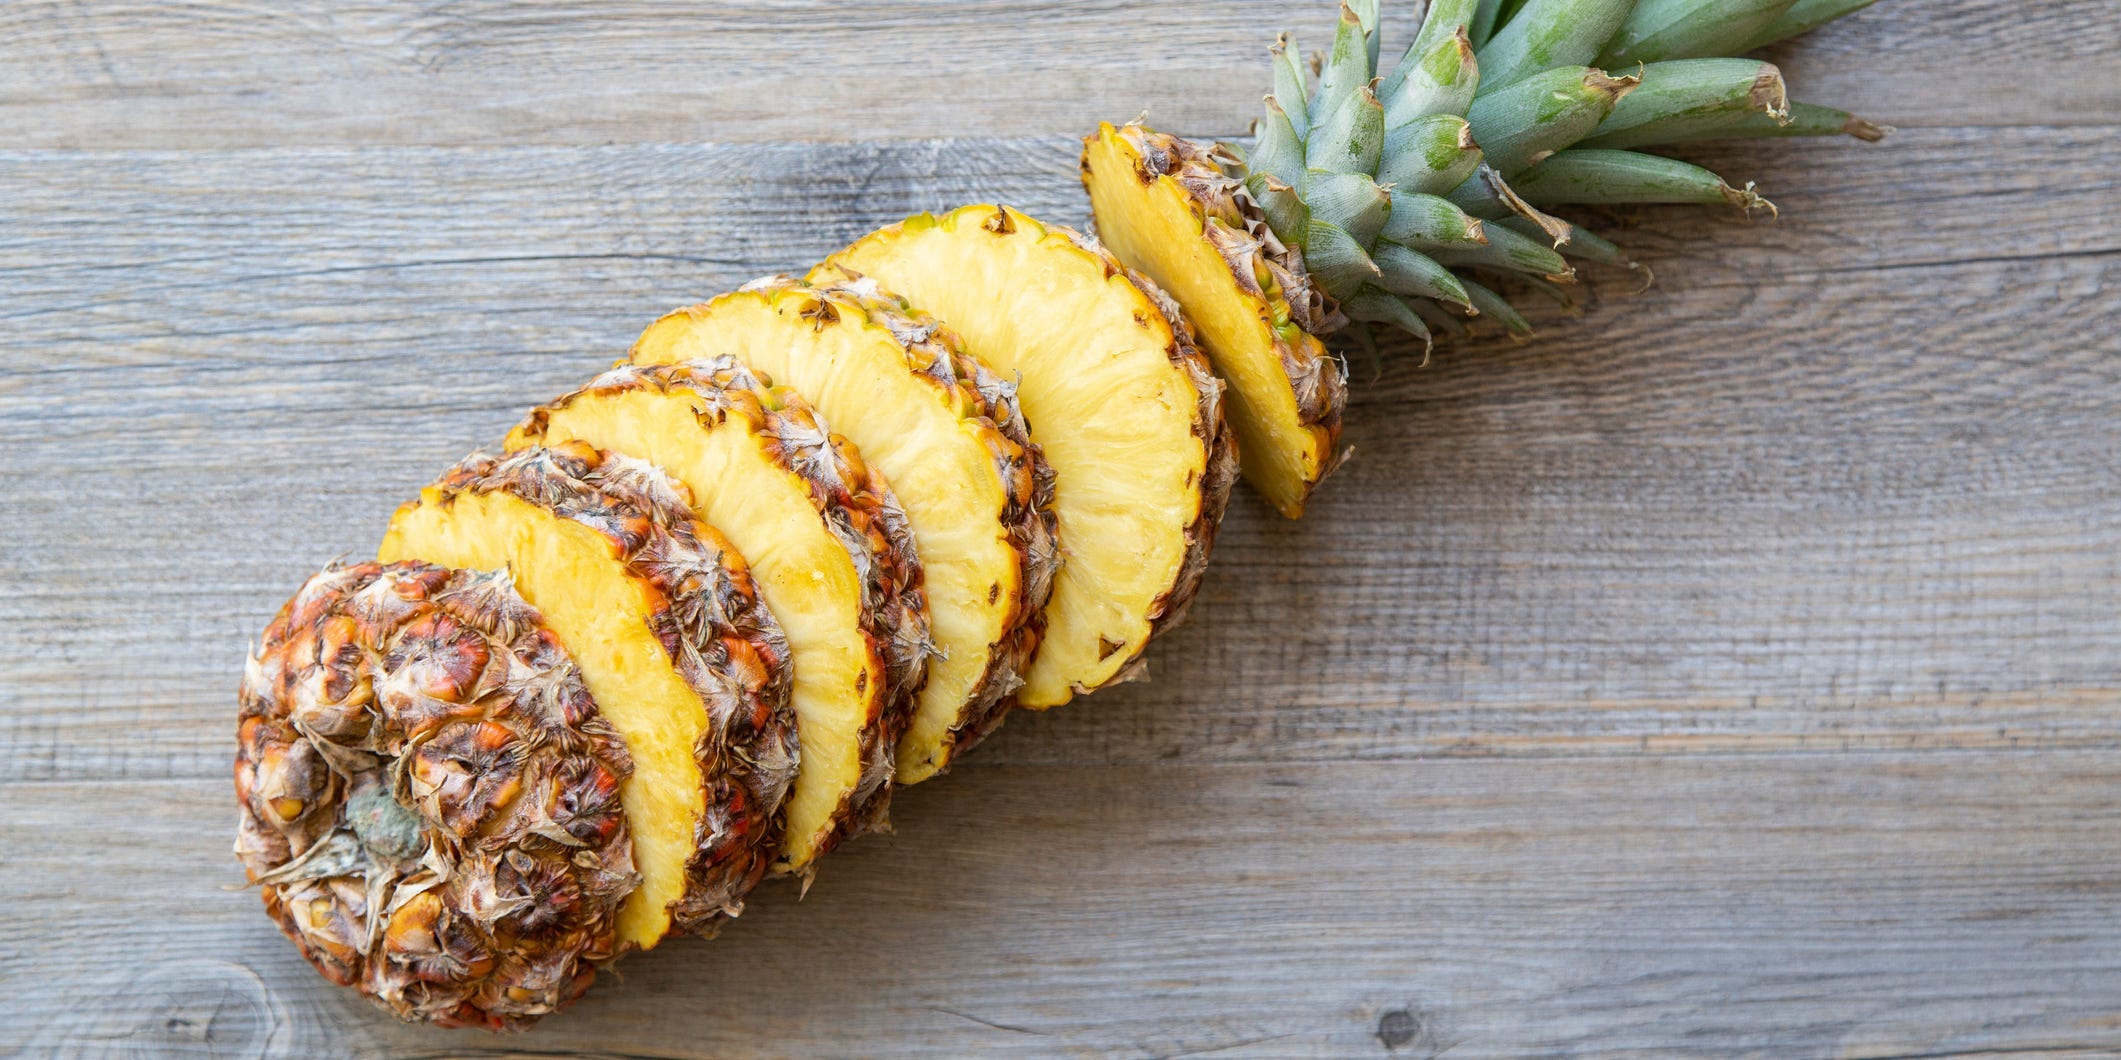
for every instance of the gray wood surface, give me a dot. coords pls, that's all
(1734, 669)
(217, 73)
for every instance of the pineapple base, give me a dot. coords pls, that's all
(412, 741)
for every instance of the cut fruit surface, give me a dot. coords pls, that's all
(660, 614)
(1164, 208)
(1123, 406)
(947, 434)
(829, 550)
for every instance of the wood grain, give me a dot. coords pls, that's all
(217, 74)
(1887, 904)
(1840, 481)
(1734, 670)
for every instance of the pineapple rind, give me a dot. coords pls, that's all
(978, 492)
(1286, 394)
(440, 896)
(857, 669)
(730, 731)
(1128, 413)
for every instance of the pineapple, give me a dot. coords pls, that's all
(660, 614)
(1117, 398)
(429, 798)
(563, 721)
(830, 552)
(1404, 196)
(1255, 316)
(948, 434)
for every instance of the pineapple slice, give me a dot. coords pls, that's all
(660, 614)
(1123, 406)
(947, 433)
(447, 899)
(1163, 207)
(829, 550)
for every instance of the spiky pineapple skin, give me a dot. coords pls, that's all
(711, 624)
(429, 798)
(857, 507)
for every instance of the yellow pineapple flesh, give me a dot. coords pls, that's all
(948, 435)
(1123, 406)
(829, 550)
(660, 615)
(1163, 207)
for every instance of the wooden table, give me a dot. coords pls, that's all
(1735, 669)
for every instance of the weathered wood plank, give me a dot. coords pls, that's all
(1844, 481)
(1852, 905)
(213, 73)
(1493, 755)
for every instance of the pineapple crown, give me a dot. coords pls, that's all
(1401, 185)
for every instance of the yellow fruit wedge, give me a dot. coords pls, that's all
(829, 550)
(947, 434)
(1157, 211)
(660, 614)
(1123, 406)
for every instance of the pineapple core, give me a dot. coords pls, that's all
(1155, 226)
(805, 576)
(599, 613)
(856, 373)
(1116, 416)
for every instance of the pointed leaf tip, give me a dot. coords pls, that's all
(1770, 94)
(1373, 306)
(1865, 131)
(1606, 84)
(1749, 199)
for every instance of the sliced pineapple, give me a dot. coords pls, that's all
(1121, 403)
(829, 548)
(947, 433)
(660, 614)
(1163, 207)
